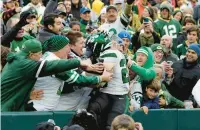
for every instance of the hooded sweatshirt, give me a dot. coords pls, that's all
(20, 74)
(144, 73)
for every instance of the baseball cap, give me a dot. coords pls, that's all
(111, 7)
(156, 47)
(84, 9)
(59, 12)
(32, 45)
(32, 11)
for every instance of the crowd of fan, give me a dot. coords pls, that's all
(108, 57)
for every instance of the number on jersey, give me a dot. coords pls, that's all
(170, 30)
(124, 71)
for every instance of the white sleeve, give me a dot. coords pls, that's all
(196, 92)
(136, 95)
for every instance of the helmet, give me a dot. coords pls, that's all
(96, 44)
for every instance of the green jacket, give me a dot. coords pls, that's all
(17, 45)
(181, 50)
(146, 72)
(171, 102)
(74, 81)
(20, 74)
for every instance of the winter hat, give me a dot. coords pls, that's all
(142, 50)
(32, 45)
(195, 47)
(176, 11)
(167, 6)
(55, 43)
(124, 34)
(111, 7)
(156, 47)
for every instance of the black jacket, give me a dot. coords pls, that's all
(45, 34)
(186, 76)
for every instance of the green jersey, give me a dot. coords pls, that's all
(171, 28)
(17, 45)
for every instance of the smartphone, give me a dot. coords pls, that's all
(145, 20)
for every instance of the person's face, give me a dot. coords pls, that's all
(158, 55)
(111, 15)
(188, 11)
(103, 16)
(126, 42)
(76, 28)
(35, 56)
(146, 13)
(159, 72)
(10, 5)
(192, 37)
(178, 16)
(119, 6)
(165, 13)
(162, 101)
(85, 16)
(179, 2)
(141, 59)
(20, 33)
(75, 2)
(57, 27)
(68, 6)
(61, 7)
(78, 47)
(63, 53)
(120, 48)
(151, 93)
(191, 56)
(166, 42)
(84, 2)
(188, 25)
(32, 19)
(144, 2)
(35, 2)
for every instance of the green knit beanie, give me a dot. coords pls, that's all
(55, 43)
(32, 46)
(142, 50)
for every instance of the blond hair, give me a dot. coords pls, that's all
(123, 122)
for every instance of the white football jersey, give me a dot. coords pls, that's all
(119, 85)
